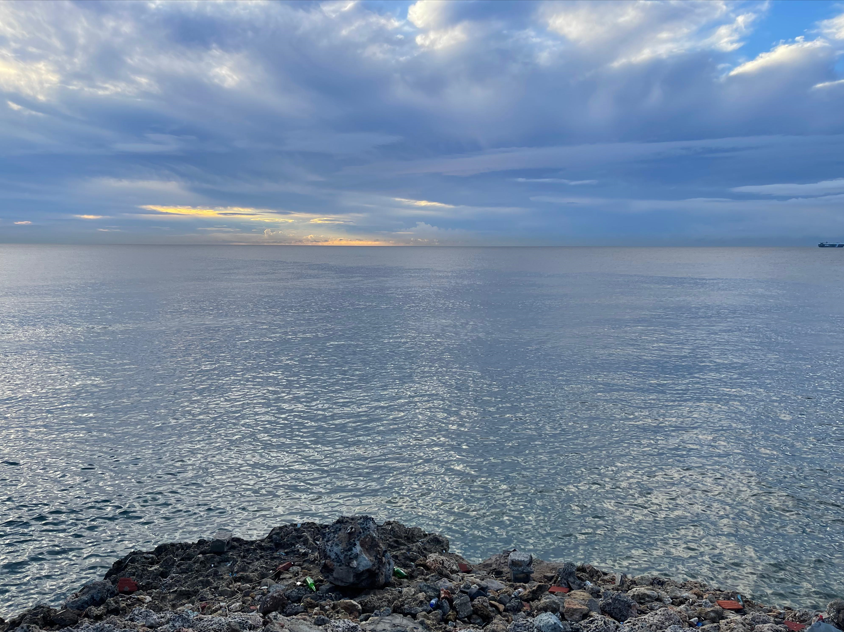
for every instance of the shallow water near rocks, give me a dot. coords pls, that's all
(674, 411)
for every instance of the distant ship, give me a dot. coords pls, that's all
(826, 244)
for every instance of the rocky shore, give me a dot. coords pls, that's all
(357, 576)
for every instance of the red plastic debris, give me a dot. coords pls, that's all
(126, 585)
(730, 605)
(794, 626)
(464, 568)
(284, 567)
(558, 589)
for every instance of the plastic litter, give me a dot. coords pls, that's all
(399, 573)
(311, 584)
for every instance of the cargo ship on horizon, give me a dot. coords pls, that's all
(828, 244)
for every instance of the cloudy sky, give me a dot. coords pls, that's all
(422, 123)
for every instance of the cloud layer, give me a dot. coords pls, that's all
(420, 123)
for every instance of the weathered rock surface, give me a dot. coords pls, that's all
(547, 622)
(618, 605)
(353, 555)
(93, 594)
(261, 586)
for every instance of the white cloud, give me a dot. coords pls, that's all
(557, 181)
(633, 32)
(828, 84)
(805, 190)
(834, 27)
(793, 55)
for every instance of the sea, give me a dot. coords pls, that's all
(674, 411)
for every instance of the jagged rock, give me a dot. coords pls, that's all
(618, 606)
(643, 595)
(65, 618)
(550, 603)
(521, 566)
(514, 605)
(297, 625)
(273, 601)
(353, 555)
(392, 623)
(221, 541)
(521, 624)
(444, 566)
(835, 613)
(567, 577)
(574, 610)
(547, 622)
(756, 618)
(585, 598)
(342, 625)
(599, 623)
(92, 594)
(463, 606)
(657, 621)
(145, 617)
(350, 607)
(482, 609)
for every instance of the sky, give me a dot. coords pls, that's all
(422, 123)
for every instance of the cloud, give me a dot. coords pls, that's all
(24, 223)
(829, 84)
(320, 119)
(797, 190)
(635, 32)
(423, 203)
(833, 28)
(242, 214)
(557, 181)
(793, 55)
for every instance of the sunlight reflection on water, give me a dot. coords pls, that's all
(668, 410)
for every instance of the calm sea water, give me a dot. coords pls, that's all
(678, 411)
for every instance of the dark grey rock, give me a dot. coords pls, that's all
(547, 622)
(93, 594)
(274, 601)
(444, 607)
(475, 591)
(521, 624)
(656, 621)
(835, 613)
(463, 606)
(353, 555)
(618, 606)
(599, 623)
(514, 605)
(566, 576)
(145, 617)
(392, 623)
(643, 595)
(521, 566)
(65, 618)
(221, 541)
